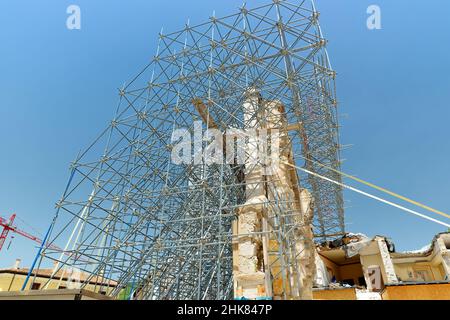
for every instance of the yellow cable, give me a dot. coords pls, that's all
(371, 196)
(383, 190)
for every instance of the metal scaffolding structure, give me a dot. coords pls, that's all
(164, 230)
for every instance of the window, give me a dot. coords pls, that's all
(362, 281)
(35, 286)
(350, 282)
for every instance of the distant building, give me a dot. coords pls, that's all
(12, 279)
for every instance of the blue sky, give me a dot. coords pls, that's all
(59, 89)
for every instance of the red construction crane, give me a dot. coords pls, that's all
(8, 226)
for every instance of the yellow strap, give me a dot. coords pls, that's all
(382, 189)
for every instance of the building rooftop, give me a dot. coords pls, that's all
(47, 273)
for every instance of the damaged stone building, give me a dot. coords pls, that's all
(352, 267)
(356, 267)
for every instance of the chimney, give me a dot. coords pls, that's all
(17, 264)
